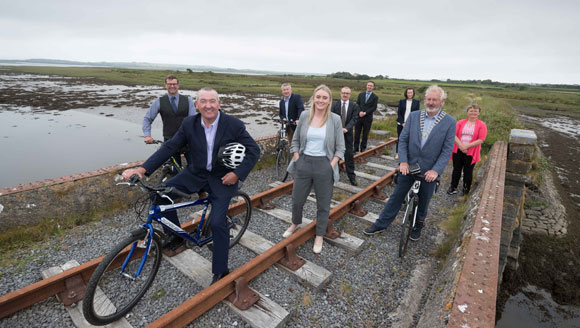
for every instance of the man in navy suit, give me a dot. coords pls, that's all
(348, 111)
(205, 134)
(367, 101)
(291, 106)
(427, 139)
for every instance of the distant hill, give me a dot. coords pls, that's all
(140, 65)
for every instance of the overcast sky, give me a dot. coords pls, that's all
(502, 40)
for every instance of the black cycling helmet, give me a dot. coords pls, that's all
(231, 155)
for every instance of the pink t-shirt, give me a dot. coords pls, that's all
(467, 133)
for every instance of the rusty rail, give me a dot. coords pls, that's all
(206, 299)
(476, 293)
(34, 293)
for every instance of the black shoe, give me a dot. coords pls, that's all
(172, 242)
(353, 181)
(452, 191)
(373, 229)
(465, 191)
(217, 277)
(416, 232)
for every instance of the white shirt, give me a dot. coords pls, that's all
(407, 110)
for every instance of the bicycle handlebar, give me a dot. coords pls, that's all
(161, 190)
(283, 122)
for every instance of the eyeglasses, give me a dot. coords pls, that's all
(172, 84)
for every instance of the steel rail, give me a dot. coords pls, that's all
(27, 296)
(194, 307)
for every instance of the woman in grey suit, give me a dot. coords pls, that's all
(318, 145)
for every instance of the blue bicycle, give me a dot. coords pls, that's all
(128, 269)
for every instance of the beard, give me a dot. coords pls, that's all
(433, 111)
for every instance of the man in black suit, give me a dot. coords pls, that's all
(205, 134)
(367, 101)
(291, 106)
(348, 112)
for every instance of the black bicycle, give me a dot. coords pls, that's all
(412, 201)
(170, 168)
(129, 268)
(282, 149)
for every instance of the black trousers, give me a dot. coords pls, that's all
(462, 162)
(364, 125)
(349, 155)
(399, 130)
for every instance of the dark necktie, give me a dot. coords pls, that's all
(173, 104)
(343, 114)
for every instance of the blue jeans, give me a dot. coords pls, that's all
(404, 184)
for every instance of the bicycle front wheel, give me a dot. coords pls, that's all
(282, 160)
(238, 218)
(407, 226)
(112, 292)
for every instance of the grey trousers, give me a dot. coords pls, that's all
(313, 171)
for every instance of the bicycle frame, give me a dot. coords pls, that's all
(413, 192)
(156, 214)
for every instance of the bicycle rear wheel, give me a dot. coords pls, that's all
(407, 226)
(282, 160)
(111, 293)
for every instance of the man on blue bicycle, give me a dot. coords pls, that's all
(205, 134)
(427, 139)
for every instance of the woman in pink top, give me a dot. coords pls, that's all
(469, 135)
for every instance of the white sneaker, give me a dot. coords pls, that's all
(289, 232)
(317, 249)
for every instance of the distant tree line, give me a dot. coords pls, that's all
(355, 76)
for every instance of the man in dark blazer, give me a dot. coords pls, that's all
(348, 112)
(367, 101)
(427, 140)
(205, 134)
(406, 106)
(291, 106)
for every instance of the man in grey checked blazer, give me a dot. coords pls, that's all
(426, 139)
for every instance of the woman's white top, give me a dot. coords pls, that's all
(315, 141)
(408, 110)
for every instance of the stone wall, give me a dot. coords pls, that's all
(76, 194)
(521, 155)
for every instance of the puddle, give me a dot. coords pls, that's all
(534, 307)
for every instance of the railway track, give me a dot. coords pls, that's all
(67, 281)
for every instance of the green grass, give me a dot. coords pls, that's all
(452, 226)
(34, 236)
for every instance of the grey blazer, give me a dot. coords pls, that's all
(334, 141)
(437, 150)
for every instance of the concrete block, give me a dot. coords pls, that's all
(525, 137)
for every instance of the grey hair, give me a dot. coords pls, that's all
(286, 84)
(442, 94)
(207, 89)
